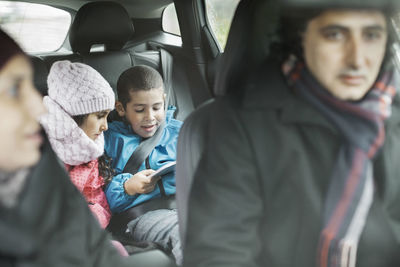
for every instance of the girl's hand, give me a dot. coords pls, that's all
(140, 183)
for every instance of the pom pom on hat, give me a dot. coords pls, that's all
(79, 89)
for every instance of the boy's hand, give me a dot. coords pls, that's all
(140, 183)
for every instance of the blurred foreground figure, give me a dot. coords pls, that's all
(44, 221)
(301, 167)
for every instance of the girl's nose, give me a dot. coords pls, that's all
(104, 126)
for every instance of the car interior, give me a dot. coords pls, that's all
(193, 134)
(112, 36)
(108, 25)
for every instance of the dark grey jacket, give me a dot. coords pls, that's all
(53, 227)
(259, 191)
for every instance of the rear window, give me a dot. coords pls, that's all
(37, 28)
(219, 16)
(170, 20)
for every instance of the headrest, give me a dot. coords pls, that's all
(105, 23)
(233, 61)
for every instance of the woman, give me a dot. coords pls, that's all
(44, 221)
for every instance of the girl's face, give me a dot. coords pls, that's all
(20, 107)
(145, 111)
(95, 123)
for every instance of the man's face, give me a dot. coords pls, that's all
(344, 50)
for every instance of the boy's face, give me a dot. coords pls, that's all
(145, 111)
(344, 50)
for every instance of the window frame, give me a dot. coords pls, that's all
(64, 43)
(177, 20)
(211, 30)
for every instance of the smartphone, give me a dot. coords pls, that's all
(165, 169)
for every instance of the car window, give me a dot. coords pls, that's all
(37, 28)
(396, 45)
(219, 16)
(170, 20)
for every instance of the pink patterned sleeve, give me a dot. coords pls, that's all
(103, 215)
(88, 181)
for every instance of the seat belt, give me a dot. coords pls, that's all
(147, 145)
(143, 151)
(166, 67)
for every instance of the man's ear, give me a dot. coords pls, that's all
(120, 109)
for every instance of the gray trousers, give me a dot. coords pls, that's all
(160, 227)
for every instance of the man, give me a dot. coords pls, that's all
(302, 169)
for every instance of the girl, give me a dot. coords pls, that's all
(43, 220)
(79, 102)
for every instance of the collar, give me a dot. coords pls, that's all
(68, 140)
(268, 90)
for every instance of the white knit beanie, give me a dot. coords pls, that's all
(79, 89)
(74, 89)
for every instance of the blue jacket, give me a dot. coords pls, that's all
(120, 142)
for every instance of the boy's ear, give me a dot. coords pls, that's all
(120, 108)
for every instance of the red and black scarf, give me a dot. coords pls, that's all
(351, 188)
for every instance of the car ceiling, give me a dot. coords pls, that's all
(136, 8)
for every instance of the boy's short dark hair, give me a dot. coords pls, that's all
(137, 78)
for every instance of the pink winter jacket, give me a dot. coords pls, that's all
(87, 179)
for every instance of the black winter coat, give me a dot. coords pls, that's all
(259, 191)
(52, 226)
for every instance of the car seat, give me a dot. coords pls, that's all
(236, 61)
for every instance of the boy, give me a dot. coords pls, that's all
(141, 101)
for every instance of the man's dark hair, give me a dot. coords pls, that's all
(136, 79)
(293, 25)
